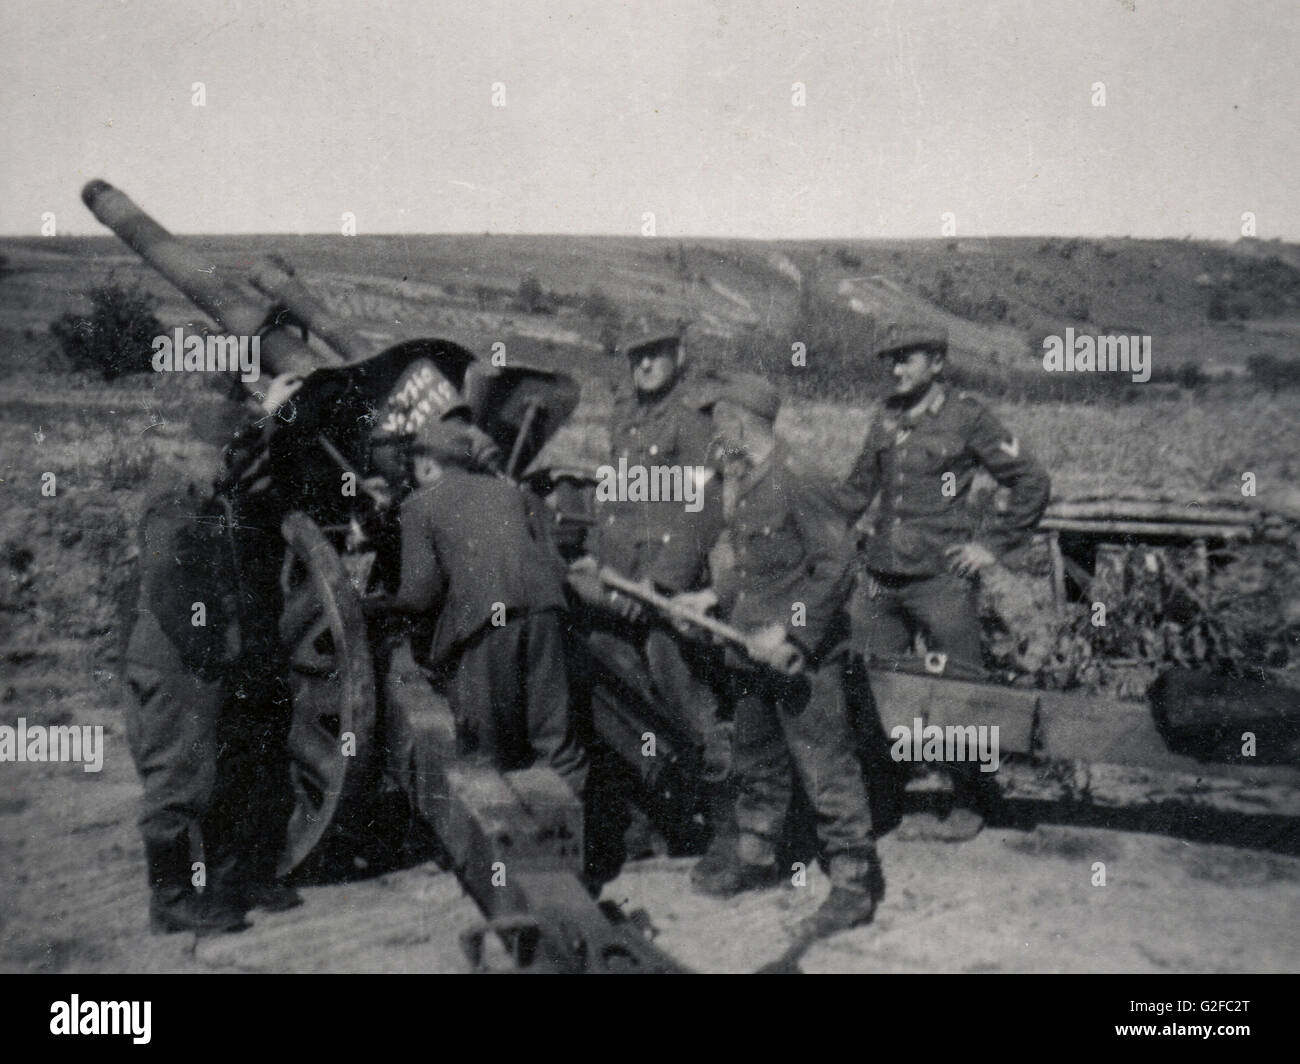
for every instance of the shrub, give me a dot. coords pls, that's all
(837, 343)
(532, 296)
(605, 313)
(116, 337)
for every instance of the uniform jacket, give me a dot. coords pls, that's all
(468, 543)
(184, 559)
(904, 460)
(788, 538)
(660, 541)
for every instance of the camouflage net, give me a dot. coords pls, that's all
(1231, 609)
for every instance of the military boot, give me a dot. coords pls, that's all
(721, 872)
(851, 903)
(240, 887)
(173, 904)
(270, 896)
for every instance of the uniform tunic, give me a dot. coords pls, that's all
(921, 465)
(659, 541)
(905, 460)
(470, 559)
(467, 546)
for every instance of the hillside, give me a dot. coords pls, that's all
(1215, 306)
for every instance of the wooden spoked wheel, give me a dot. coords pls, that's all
(332, 687)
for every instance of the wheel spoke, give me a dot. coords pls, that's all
(299, 611)
(318, 753)
(310, 660)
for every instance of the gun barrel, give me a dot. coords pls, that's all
(276, 280)
(233, 309)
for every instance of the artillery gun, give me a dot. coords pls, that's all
(306, 504)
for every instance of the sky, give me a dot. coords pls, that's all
(980, 115)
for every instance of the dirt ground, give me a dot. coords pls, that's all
(74, 899)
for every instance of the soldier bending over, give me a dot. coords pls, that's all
(490, 600)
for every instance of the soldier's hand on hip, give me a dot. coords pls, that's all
(968, 559)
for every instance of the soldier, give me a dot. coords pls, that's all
(192, 742)
(490, 600)
(789, 587)
(662, 542)
(924, 561)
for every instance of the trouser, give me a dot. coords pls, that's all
(943, 608)
(244, 833)
(798, 729)
(212, 766)
(678, 674)
(674, 679)
(171, 731)
(510, 694)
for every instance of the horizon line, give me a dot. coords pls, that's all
(1186, 237)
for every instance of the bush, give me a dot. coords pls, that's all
(837, 344)
(533, 298)
(992, 308)
(117, 336)
(601, 309)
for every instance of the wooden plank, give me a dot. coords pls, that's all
(1058, 567)
(555, 808)
(1108, 731)
(903, 697)
(1148, 529)
(1151, 510)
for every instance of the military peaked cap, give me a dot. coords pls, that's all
(895, 338)
(651, 346)
(748, 391)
